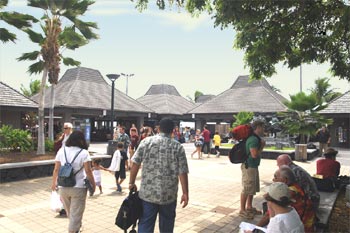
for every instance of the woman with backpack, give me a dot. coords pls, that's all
(198, 142)
(73, 154)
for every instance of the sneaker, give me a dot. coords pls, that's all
(218, 154)
(119, 188)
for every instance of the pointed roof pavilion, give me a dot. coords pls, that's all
(85, 88)
(165, 100)
(255, 96)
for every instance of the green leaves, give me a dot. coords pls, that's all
(35, 37)
(29, 56)
(14, 139)
(70, 62)
(242, 118)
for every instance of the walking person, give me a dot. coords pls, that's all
(198, 142)
(250, 171)
(118, 165)
(67, 130)
(217, 143)
(74, 198)
(164, 163)
(124, 138)
(96, 170)
(206, 143)
(324, 139)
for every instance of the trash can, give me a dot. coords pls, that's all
(112, 146)
(300, 152)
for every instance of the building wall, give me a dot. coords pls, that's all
(12, 118)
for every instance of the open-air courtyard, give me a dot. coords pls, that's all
(214, 183)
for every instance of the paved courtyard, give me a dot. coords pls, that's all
(214, 185)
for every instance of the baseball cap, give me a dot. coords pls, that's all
(278, 190)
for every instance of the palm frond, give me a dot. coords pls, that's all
(70, 39)
(42, 4)
(29, 56)
(18, 20)
(3, 3)
(36, 68)
(70, 61)
(34, 36)
(86, 29)
(6, 36)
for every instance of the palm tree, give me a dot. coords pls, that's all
(242, 118)
(55, 38)
(301, 117)
(34, 88)
(15, 19)
(323, 92)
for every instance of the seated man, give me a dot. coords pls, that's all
(328, 167)
(303, 179)
(302, 203)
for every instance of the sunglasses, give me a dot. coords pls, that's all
(65, 128)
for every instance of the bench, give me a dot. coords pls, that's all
(327, 201)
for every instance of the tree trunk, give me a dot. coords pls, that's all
(41, 129)
(51, 113)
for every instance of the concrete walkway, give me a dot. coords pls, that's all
(215, 186)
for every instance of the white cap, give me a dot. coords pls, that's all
(278, 190)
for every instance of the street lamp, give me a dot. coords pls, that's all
(127, 81)
(112, 77)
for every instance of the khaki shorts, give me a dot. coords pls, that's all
(250, 180)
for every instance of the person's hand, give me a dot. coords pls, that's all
(132, 187)
(184, 200)
(53, 187)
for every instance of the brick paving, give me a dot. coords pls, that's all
(214, 185)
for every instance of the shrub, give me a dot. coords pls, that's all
(15, 139)
(49, 145)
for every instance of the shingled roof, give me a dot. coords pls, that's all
(165, 99)
(339, 105)
(254, 96)
(85, 88)
(12, 98)
(204, 98)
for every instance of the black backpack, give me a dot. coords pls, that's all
(238, 153)
(130, 211)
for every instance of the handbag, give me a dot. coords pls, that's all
(130, 211)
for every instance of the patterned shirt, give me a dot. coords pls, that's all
(305, 180)
(164, 159)
(124, 138)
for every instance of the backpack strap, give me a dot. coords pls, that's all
(65, 155)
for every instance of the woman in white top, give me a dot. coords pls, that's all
(74, 198)
(283, 217)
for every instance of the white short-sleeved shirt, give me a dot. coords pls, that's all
(78, 163)
(97, 175)
(287, 223)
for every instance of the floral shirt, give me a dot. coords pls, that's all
(309, 186)
(164, 159)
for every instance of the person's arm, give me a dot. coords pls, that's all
(133, 173)
(55, 175)
(89, 175)
(264, 221)
(184, 184)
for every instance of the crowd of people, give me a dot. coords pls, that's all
(292, 199)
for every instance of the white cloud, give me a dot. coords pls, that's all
(112, 7)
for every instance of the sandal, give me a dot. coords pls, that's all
(246, 215)
(254, 211)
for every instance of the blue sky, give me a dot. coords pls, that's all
(159, 47)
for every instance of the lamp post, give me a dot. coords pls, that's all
(112, 77)
(127, 81)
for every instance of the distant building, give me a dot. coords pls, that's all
(13, 106)
(339, 111)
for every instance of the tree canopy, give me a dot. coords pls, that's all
(273, 31)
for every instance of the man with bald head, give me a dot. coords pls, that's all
(303, 179)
